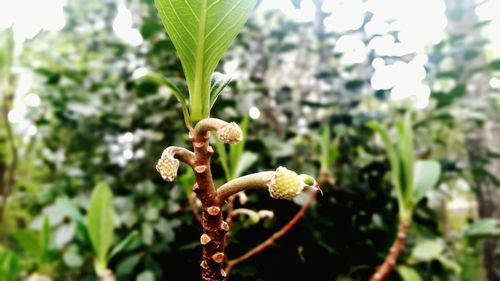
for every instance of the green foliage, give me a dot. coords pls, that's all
(237, 160)
(202, 31)
(101, 222)
(408, 273)
(483, 228)
(36, 244)
(9, 265)
(426, 175)
(412, 179)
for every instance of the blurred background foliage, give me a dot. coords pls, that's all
(87, 116)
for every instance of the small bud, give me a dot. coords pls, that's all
(210, 149)
(285, 184)
(213, 210)
(230, 133)
(167, 166)
(203, 264)
(223, 273)
(205, 239)
(200, 169)
(224, 226)
(218, 257)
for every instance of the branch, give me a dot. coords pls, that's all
(259, 248)
(228, 132)
(180, 153)
(396, 249)
(253, 181)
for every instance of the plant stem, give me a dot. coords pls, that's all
(268, 242)
(213, 227)
(257, 180)
(396, 249)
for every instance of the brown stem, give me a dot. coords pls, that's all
(396, 249)
(259, 248)
(214, 229)
(194, 208)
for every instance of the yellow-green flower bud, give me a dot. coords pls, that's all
(285, 184)
(167, 166)
(230, 133)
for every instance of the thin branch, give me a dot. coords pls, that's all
(181, 154)
(259, 248)
(206, 125)
(252, 181)
(396, 249)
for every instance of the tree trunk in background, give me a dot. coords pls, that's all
(480, 139)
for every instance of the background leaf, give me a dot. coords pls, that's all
(426, 175)
(408, 273)
(100, 220)
(218, 84)
(202, 31)
(427, 250)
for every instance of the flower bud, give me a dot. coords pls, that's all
(230, 133)
(285, 184)
(167, 166)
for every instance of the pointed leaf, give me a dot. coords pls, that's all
(426, 174)
(408, 274)
(219, 82)
(29, 241)
(9, 266)
(124, 244)
(246, 161)
(221, 151)
(181, 94)
(201, 31)
(100, 219)
(45, 237)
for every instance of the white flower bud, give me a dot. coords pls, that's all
(167, 166)
(230, 133)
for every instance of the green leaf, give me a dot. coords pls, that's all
(124, 244)
(427, 174)
(219, 82)
(394, 161)
(406, 157)
(236, 150)
(224, 160)
(427, 250)
(201, 31)
(45, 237)
(408, 274)
(100, 219)
(181, 94)
(29, 241)
(245, 162)
(450, 264)
(482, 228)
(495, 65)
(9, 266)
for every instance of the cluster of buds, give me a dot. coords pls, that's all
(286, 184)
(230, 133)
(168, 166)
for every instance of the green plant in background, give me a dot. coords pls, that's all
(39, 247)
(411, 178)
(201, 32)
(101, 227)
(9, 265)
